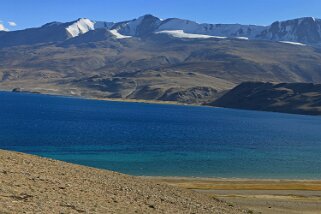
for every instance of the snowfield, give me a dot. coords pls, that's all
(293, 43)
(118, 35)
(182, 34)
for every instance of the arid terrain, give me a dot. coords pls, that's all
(30, 184)
(297, 98)
(267, 196)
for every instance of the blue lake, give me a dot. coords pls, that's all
(162, 140)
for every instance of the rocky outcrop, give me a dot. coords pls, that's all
(304, 30)
(297, 98)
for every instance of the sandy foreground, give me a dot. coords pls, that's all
(30, 184)
(260, 196)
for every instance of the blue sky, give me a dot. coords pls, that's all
(33, 13)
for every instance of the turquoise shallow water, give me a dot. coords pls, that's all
(162, 140)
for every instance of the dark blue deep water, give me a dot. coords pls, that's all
(165, 140)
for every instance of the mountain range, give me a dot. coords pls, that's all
(153, 59)
(305, 30)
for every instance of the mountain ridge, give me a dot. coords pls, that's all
(305, 30)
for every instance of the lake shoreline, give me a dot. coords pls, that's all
(258, 195)
(158, 102)
(239, 183)
(33, 184)
(110, 99)
(268, 196)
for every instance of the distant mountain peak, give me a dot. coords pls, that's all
(52, 24)
(80, 26)
(141, 26)
(308, 18)
(103, 24)
(304, 30)
(148, 16)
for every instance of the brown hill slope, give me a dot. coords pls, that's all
(298, 98)
(30, 184)
(155, 68)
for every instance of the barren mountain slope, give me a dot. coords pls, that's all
(30, 184)
(158, 67)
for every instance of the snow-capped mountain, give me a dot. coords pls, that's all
(51, 32)
(297, 31)
(303, 30)
(219, 30)
(141, 26)
(80, 26)
(145, 25)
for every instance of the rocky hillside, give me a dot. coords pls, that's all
(303, 30)
(160, 67)
(298, 98)
(31, 184)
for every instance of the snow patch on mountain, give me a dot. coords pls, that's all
(182, 34)
(179, 24)
(118, 35)
(242, 38)
(293, 43)
(79, 27)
